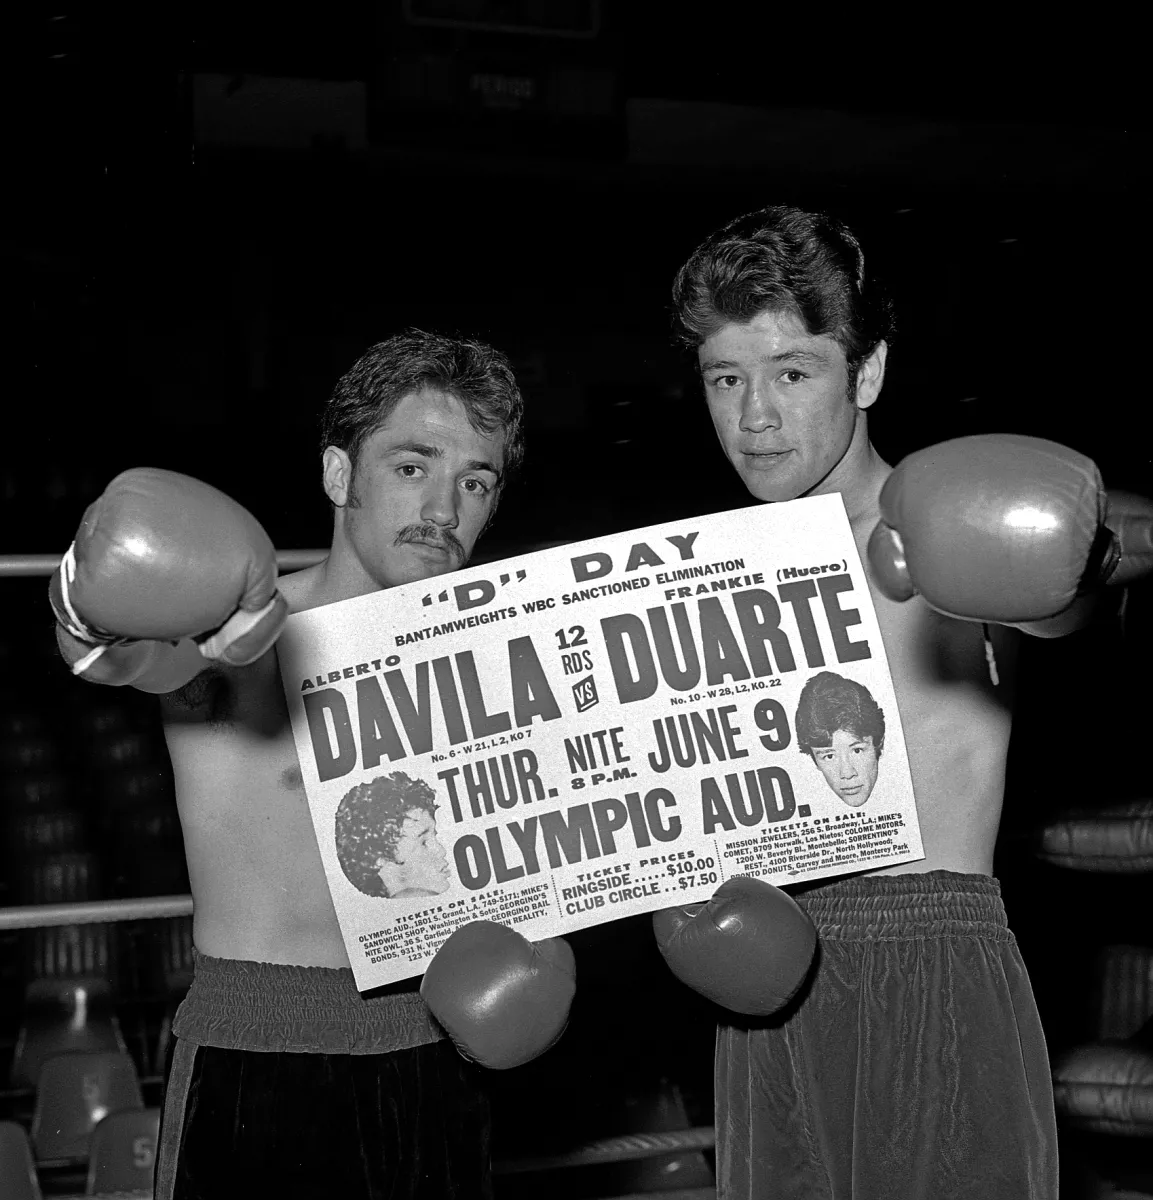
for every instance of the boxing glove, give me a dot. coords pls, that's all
(748, 949)
(1007, 529)
(502, 999)
(161, 557)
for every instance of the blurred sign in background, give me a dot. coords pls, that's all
(213, 214)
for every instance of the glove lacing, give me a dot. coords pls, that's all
(74, 623)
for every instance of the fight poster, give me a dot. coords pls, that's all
(597, 730)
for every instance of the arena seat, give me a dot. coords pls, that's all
(661, 1154)
(74, 1093)
(68, 1003)
(63, 1016)
(17, 1170)
(1103, 1088)
(1117, 838)
(122, 1153)
(1106, 1086)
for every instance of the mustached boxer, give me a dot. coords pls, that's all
(284, 1080)
(911, 1060)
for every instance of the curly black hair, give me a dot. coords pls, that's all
(368, 824)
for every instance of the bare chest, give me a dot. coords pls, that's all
(956, 723)
(234, 758)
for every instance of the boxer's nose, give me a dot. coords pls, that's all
(440, 503)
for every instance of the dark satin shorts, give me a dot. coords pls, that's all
(913, 1068)
(305, 1089)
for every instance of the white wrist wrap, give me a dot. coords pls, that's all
(235, 628)
(74, 623)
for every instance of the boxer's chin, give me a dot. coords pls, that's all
(770, 477)
(855, 799)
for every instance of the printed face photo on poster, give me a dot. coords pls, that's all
(386, 838)
(842, 729)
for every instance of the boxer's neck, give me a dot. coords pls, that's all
(857, 478)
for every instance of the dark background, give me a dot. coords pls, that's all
(212, 213)
(213, 216)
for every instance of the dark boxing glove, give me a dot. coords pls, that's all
(158, 558)
(502, 999)
(1006, 529)
(748, 949)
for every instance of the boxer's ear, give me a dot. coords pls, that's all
(337, 475)
(871, 376)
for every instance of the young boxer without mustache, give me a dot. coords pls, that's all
(906, 1059)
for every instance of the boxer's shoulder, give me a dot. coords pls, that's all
(303, 589)
(223, 694)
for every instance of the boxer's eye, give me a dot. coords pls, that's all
(724, 382)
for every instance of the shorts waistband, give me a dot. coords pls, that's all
(922, 904)
(235, 1004)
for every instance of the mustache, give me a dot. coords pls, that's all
(434, 535)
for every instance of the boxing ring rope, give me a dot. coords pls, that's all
(15, 566)
(626, 1148)
(38, 916)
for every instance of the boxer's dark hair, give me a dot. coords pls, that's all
(830, 702)
(478, 375)
(368, 824)
(781, 259)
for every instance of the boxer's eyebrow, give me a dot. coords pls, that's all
(416, 448)
(802, 357)
(808, 358)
